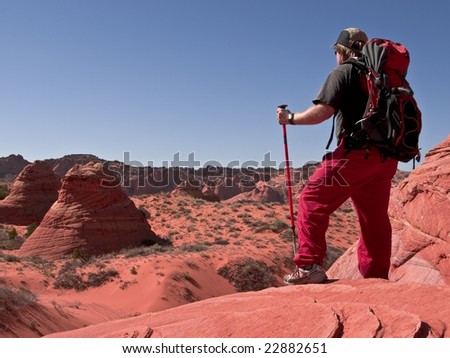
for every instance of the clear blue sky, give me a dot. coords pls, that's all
(201, 78)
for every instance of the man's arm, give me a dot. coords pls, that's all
(313, 115)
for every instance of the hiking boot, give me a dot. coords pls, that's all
(303, 276)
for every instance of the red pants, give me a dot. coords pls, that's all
(367, 181)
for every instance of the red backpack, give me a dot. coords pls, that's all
(392, 120)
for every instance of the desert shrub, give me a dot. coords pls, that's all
(287, 235)
(12, 233)
(147, 250)
(136, 251)
(192, 265)
(188, 295)
(192, 228)
(195, 247)
(198, 202)
(221, 241)
(81, 254)
(9, 239)
(144, 211)
(260, 226)
(70, 277)
(4, 191)
(247, 274)
(8, 258)
(31, 228)
(278, 226)
(347, 210)
(96, 279)
(43, 265)
(11, 300)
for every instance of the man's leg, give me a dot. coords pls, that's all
(327, 190)
(371, 203)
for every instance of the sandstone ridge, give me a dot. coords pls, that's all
(358, 309)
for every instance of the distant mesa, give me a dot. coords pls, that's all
(90, 217)
(195, 190)
(32, 194)
(262, 193)
(13, 164)
(62, 165)
(216, 182)
(10, 166)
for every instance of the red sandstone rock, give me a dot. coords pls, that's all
(88, 216)
(186, 188)
(356, 309)
(11, 166)
(262, 193)
(228, 187)
(33, 192)
(209, 195)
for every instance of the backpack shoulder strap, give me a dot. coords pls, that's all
(331, 134)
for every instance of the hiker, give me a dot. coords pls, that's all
(360, 174)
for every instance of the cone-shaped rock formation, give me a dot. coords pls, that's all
(33, 192)
(89, 215)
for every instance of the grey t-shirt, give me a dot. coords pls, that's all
(344, 92)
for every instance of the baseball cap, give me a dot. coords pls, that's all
(353, 38)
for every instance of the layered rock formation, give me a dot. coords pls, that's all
(33, 192)
(194, 190)
(348, 309)
(89, 216)
(262, 193)
(419, 210)
(10, 166)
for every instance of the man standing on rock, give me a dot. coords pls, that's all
(357, 174)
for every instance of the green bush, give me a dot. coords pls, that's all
(31, 228)
(81, 254)
(4, 191)
(12, 233)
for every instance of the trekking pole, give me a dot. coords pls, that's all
(288, 182)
